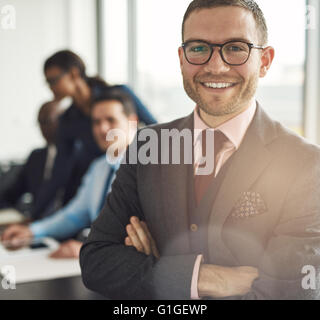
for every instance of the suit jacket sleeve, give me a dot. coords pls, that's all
(120, 272)
(70, 219)
(20, 185)
(294, 243)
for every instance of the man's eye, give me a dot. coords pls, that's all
(236, 49)
(199, 49)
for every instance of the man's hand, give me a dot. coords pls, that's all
(220, 282)
(68, 249)
(140, 237)
(16, 236)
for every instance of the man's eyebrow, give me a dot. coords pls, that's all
(227, 40)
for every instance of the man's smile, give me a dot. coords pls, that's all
(218, 86)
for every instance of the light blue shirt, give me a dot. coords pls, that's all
(83, 208)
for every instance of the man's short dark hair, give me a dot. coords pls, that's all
(250, 5)
(119, 95)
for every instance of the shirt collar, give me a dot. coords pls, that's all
(52, 149)
(234, 129)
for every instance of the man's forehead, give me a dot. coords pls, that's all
(221, 24)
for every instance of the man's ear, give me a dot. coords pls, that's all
(181, 56)
(133, 117)
(266, 60)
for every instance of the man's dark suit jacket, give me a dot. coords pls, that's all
(279, 166)
(28, 180)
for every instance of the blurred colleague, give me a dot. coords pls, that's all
(38, 167)
(112, 110)
(66, 75)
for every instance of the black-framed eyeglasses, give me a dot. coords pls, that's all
(54, 80)
(233, 53)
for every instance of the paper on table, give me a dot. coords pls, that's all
(8, 216)
(35, 265)
(40, 268)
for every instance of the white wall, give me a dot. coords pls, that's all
(42, 27)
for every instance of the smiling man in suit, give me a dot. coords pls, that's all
(243, 231)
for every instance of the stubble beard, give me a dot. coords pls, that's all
(218, 107)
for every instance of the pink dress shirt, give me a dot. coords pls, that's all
(235, 130)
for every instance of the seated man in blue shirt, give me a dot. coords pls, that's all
(114, 110)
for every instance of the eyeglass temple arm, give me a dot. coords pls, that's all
(257, 47)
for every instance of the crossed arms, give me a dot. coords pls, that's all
(214, 281)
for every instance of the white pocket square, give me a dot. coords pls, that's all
(249, 204)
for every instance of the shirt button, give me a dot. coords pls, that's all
(194, 228)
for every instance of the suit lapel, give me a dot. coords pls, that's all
(248, 162)
(174, 190)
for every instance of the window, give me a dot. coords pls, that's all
(159, 79)
(281, 91)
(114, 41)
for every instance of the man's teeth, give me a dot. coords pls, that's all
(218, 85)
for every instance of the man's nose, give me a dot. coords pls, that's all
(216, 65)
(105, 127)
